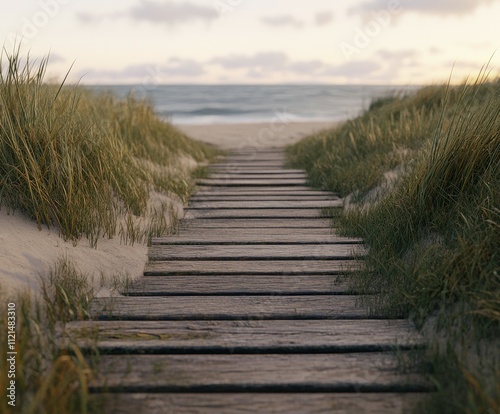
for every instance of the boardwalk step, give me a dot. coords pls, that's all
(229, 307)
(297, 213)
(261, 236)
(234, 285)
(277, 403)
(280, 204)
(299, 190)
(254, 223)
(351, 372)
(256, 176)
(240, 182)
(272, 197)
(240, 170)
(270, 336)
(252, 267)
(256, 252)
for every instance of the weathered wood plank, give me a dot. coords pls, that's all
(251, 233)
(238, 285)
(228, 307)
(272, 336)
(206, 204)
(277, 403)
(256, 176)
(251, 267)
(245, 170)
(268, 165)
(297, 213)
(352, 372)
(254, 155)
(238, 237)
(256, 252)
(278, 159)
(233, 197)
(299, 190)
(242, 182)
(290, 223)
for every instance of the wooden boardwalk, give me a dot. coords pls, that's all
(247, 310)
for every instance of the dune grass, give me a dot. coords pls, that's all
(85, 162)
(92, 166)
(434, 232)
(47, 379)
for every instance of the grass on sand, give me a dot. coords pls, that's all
(423, 177)
(92, 166)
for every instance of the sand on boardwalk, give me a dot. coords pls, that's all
(27, 253)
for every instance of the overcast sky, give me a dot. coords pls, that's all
(258, 41)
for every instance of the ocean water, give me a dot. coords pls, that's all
(220, 104)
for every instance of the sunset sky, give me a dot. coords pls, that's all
(258, 41)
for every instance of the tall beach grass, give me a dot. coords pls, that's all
(433, 231)
(91, 166)
(81, 161)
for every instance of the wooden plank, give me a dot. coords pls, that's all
(251, 233)
(251, 267)
(277, 403)
(272, 336)
(256, 176)
(256, 252)
(296, 190)
(244, 171)
(278, 159)
(228, 307)
(238, 237)
(271, 197)
(352, 372)
(255, 223)
(264, 213)
(238, 285)
(252, 164)
(255, 155)
(239, 182)
(200, 205)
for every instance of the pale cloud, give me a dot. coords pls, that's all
(436, 7)
(354, 69)
(307, 66)
(260, 64)
(398, 55)
(323, 18)
(283, 20)
(272, 60)
(158, 73)
(168, 13)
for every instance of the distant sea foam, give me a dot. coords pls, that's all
(214, 104)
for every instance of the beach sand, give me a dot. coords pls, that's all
(27, 253)
(279, 132)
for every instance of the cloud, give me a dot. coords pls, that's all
(323, 18)
(159, 12)
(396, 54)
(148, 73)
(271, 60)
(171, 13)
(265, 63)
(307, 67)
(283, 20)
(354, 69)
(436, 7)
